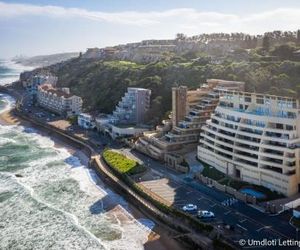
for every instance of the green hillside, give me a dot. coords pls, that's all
(102, 83)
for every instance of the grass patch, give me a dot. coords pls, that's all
(233, 183)
(122, 164)
(211, 172)
(110, 156)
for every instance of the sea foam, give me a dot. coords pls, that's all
(57, 202)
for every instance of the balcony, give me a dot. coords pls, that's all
(247, 162)
(272, 151)
(228, 156)
(226, 133)
(252, 131)
(229, 149)
(221, 139)
(247, 146)
(277, 135)
(273, 160)
(291, 164)
(259, 111)
(247, 138)
(275, 143)
(242, 153)
(272, 168)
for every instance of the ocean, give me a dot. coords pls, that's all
(10, 71)
(50, 200)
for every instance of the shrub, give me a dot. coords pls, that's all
(121, 163)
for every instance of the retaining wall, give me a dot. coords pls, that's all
(238, 195)
(97, 163)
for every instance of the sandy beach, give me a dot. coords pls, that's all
(158, 239)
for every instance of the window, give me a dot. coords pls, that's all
(247, 99)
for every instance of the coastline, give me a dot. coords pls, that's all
(158, 238)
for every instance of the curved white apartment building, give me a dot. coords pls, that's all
(256, 138)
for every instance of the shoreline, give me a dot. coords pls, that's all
(158, 238)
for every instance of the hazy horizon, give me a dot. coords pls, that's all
(44, 27)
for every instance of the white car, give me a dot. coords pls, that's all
(189, 208)
(205, 214)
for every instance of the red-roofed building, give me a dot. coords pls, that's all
(59, 100)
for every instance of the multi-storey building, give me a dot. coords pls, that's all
(59, 100)
(255, 138)
(133, 106)
(32, 84)
(86, 121)
(184, 134)
(179, 103)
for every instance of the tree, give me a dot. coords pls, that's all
(298, 36)
(284, 51)
(180, 36)
(266, 43)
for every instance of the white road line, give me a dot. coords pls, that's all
(242, 221)
(228, 212)
(265, 227)
(245, 229)
(213, 205)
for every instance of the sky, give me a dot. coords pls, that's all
(30, 27)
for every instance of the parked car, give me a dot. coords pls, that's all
(202, 214)
(189, 208)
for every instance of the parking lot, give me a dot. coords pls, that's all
(235, 224)
(234, 218)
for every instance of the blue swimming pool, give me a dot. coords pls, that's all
(250, 191)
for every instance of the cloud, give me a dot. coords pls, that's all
(182, 19)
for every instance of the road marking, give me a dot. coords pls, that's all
(199, 199)
(242, 221)
(238, 225)
(265, 227)
(204, 196)
(213, 205)
(228, 212)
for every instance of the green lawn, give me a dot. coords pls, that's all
(211, 172)
(121, 163)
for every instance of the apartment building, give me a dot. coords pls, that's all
(86, 121)
(32, 84)
(179, 103)
(255, 138)
(187, 118)
(59, 101)
(133, 106)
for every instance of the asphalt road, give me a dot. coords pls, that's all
(248, 221)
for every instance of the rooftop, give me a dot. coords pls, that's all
(59, 92)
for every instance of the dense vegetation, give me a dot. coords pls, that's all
(272, 68)
(121, 163)
(170, 210)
